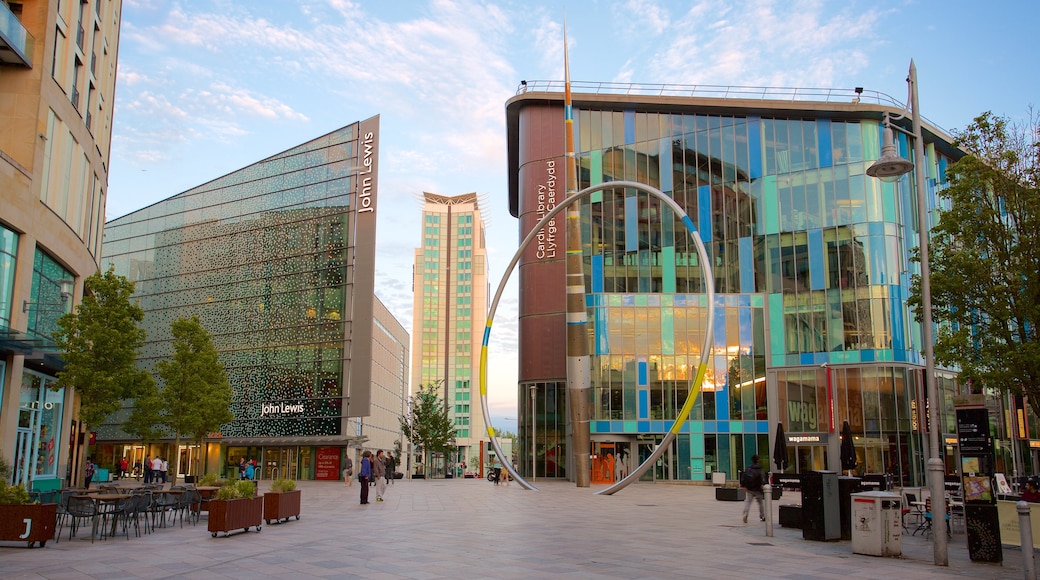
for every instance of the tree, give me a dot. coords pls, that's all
(145, 419)
(428, 425)
(99, 343)
(985, 259)
(195, 393)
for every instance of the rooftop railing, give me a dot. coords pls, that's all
(718, 92)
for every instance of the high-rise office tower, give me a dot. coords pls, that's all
(56, 92)
(451, 301)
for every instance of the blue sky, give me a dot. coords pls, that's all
(208, 87)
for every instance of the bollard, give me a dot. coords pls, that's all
(1025, 530)
(767, 490)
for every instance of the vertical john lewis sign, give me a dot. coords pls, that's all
(362, 263)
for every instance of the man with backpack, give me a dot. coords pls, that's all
(752, 479)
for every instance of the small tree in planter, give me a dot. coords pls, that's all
(21, 520)
(235, 507)
(282, 501)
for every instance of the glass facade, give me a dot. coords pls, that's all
(8, 259)
(47, 304)
(265, 258)
(811, 265)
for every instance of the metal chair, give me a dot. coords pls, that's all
(63, 512)
(82, 508)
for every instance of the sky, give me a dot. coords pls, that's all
(205, 88)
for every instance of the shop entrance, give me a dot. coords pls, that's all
(189, 460)
(279, 462)
(810, 458)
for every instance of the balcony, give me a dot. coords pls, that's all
(16, 44)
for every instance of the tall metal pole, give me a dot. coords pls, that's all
(534, 454)
(936, 465)
(578, 389)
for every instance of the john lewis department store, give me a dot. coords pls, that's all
(810, 259)
(277, 260)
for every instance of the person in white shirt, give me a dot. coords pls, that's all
(165, 469)
(157, 470)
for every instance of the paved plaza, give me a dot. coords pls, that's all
(473, 529)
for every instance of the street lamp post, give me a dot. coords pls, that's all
(534, 394)
(890, 168)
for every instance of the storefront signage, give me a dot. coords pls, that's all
(546, 240)
(281, 409)
(366, 201)
(1034, 444)
(810, 438)
(326, 466)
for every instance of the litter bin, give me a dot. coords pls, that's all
(821, 517)
(876, 526)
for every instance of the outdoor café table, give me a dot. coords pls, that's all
(106, 503)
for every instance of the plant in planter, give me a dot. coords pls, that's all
(21, 520)
(210, 479)
(282, 501)
(235, 507)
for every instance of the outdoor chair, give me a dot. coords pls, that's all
(112, 513)
(139, 505)
(162, 504)
(912, 510)
(189, 504)
(926, 525)
(82, 508)
(63, 512)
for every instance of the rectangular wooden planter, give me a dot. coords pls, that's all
(280, 506)
(30, 523)
(226, 515)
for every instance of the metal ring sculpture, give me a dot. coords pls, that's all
(702, 367)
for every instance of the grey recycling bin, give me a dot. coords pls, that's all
(876, 523)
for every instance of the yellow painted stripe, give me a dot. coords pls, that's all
(483, 370)
(695, 390)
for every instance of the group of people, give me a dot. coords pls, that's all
(375, 470)
(155, 469)
(246, 468)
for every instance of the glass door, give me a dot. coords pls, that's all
(289, 462)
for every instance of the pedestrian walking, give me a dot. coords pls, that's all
(365, 475)
(379, 474)
(124, 465)
(147, 469)
(390, 465)
(752, 480)
(88, 473)
(348, 472)
(250, 470)
(165, 469)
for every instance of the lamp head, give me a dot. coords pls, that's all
(891, 166)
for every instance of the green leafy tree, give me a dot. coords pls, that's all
(985, 259)
(195, 393)
(145, 419)
(99, 343)
(428, 425)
